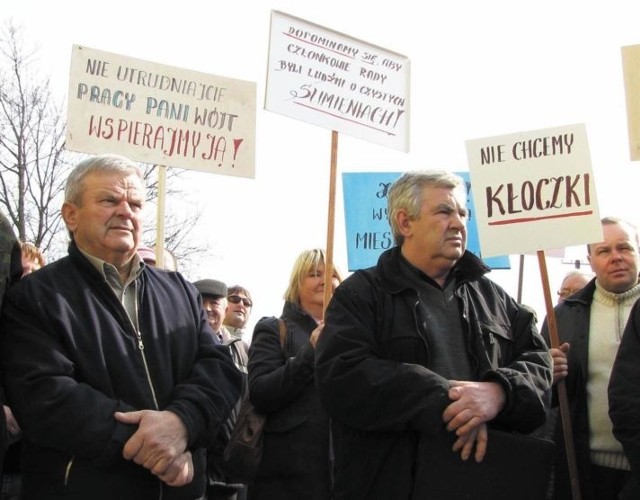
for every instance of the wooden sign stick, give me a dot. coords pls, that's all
(162, 187)
(328, 265)
(560, 385)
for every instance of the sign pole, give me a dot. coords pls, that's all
(560, 385)
(520, 278)
(328, 265)
(162, 183)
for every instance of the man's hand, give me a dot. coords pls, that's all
(180, 472)
(159, 444)
(465, 443)
(12, 425)
(474, 404)
(560, 363)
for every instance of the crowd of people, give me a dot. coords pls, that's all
(121, 379)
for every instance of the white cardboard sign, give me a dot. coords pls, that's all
(160, 114)
(631, 71)
(533, 191)
(329, 79)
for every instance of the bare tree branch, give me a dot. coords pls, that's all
(32, 166)
(34, 163)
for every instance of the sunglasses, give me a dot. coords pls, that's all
(236, 299)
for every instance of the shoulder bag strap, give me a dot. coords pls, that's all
(282, 327)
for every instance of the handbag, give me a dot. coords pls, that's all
(243, 452)
(515, 466)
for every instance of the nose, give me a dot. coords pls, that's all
(458, 220)
(616, 255)
(124, 209)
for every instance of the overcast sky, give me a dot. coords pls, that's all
(478, 69)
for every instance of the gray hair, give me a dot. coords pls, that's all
(104, 163)
(406, 194)
(576, 273)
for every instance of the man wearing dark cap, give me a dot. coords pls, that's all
(214, 300)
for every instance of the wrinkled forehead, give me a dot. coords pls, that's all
(436, 194)
(116, 182)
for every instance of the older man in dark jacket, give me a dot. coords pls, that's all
(424, 344)
(109, 365)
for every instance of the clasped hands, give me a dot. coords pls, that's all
(473, 405)
(159, 445)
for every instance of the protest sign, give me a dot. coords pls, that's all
(631, 70)
(534, 190)
(329, 79)
(160, 114)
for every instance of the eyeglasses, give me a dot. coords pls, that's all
(236, 299)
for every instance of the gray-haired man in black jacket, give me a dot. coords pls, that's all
(110, 365)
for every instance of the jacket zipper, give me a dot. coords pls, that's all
(146, 366)
(141, 348)
(417, 317)
(67, 470)
(138, 334)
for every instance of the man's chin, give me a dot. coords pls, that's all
(121, 242)
(455, 253)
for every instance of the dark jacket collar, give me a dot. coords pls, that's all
(583, 296)
(296, 314)
(467, 268)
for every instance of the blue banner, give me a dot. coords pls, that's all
(367, 224)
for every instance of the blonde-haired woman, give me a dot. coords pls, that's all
(295, 461)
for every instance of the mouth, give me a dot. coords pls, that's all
(619, 271)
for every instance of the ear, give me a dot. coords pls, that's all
(404, 223)
(590, 263)
(70, 216)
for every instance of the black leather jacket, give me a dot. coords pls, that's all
(71, 358)
(372, 371)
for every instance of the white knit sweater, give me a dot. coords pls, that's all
(609, 314)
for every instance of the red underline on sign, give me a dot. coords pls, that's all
(345, 119)
(532, 219)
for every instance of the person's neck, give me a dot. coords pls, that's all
(437, 269)
(122, 263)
(124, 270)
(316, 311)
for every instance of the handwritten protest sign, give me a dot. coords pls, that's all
(534, 190)
(160, 114)
(631, 69)
(367, 225)
(328, 79)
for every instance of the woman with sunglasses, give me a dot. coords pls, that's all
(295, 460)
